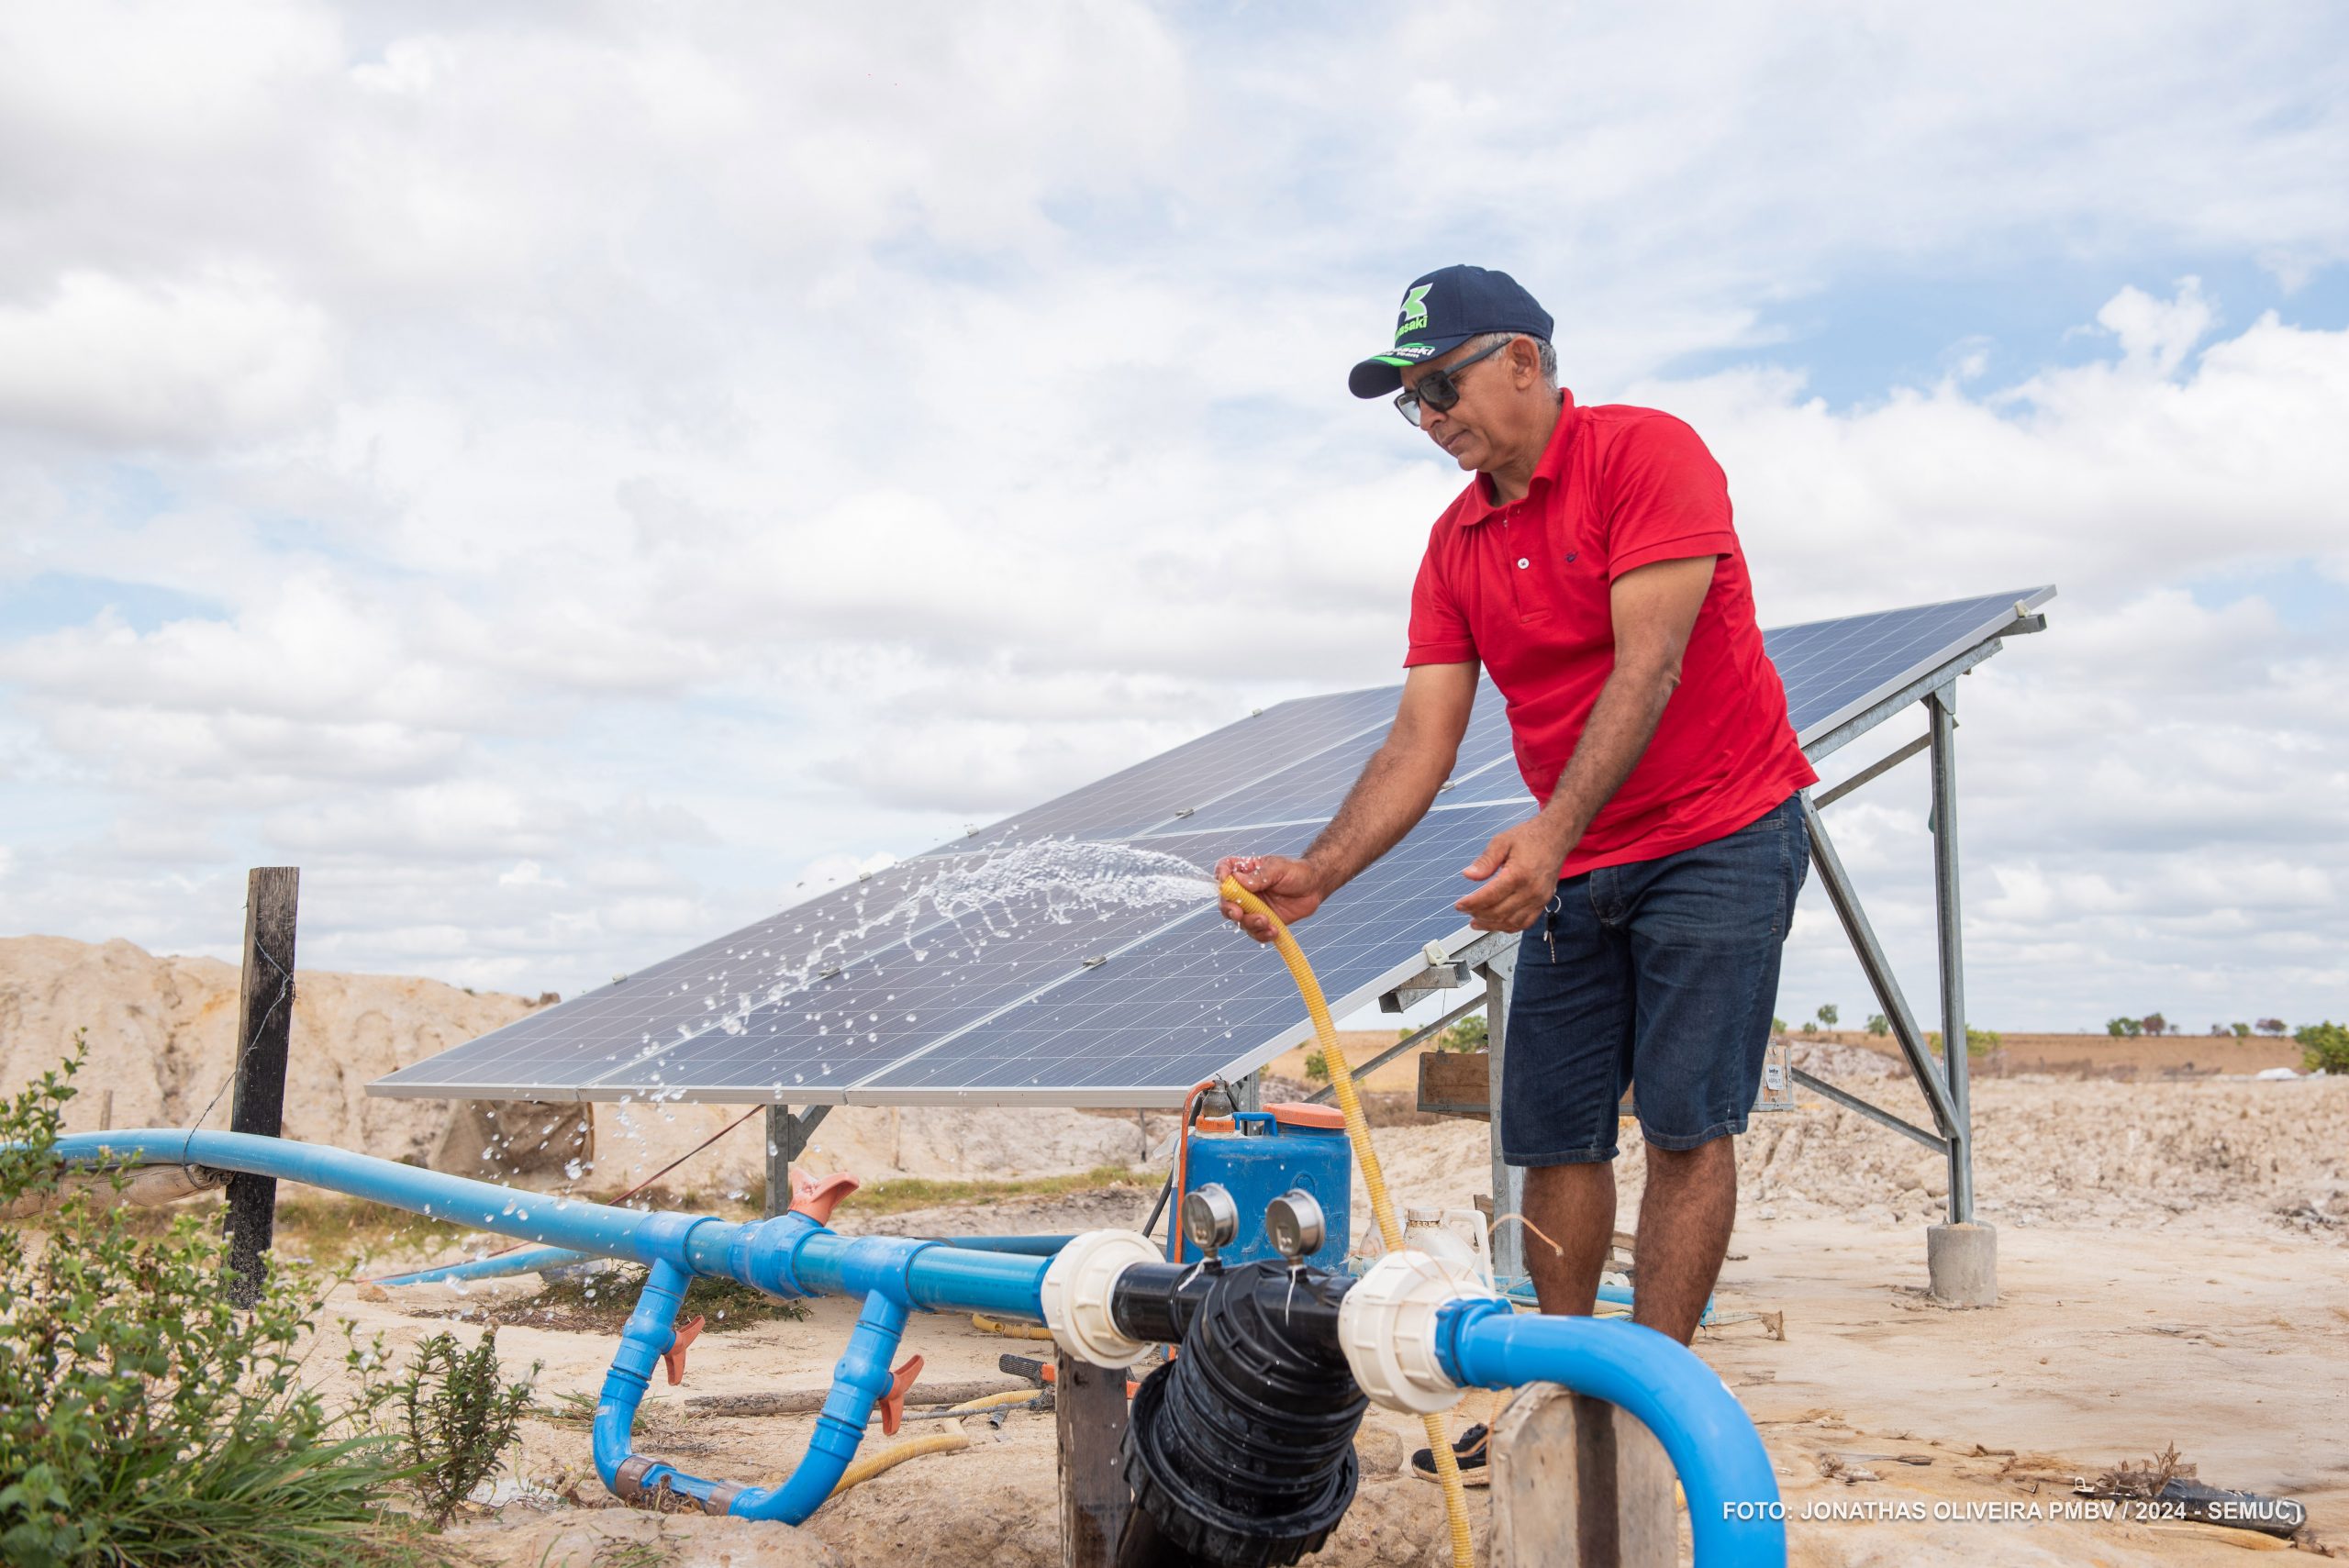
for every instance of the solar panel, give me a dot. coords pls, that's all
(1835, 670)
(908, 987)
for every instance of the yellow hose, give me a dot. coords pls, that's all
(989, 1401)
(873, 1464)
(986, 1325)
(1373, 1181)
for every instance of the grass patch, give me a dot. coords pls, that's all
(332, 1232)
(921, 1192)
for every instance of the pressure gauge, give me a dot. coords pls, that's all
(1294, 1223)
(1211, 1218)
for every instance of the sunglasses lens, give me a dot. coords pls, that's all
(1434, 392)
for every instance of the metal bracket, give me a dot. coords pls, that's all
(1449, 975)
(1875, 770)
(1933, 1141)
(1837, 884)
(1417, 1037)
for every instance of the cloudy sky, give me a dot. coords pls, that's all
(566, 477)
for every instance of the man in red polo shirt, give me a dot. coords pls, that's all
(1591, 568)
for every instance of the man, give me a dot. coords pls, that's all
(1591, 568)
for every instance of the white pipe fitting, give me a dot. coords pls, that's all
(1386, 1325)
(1076, 1291)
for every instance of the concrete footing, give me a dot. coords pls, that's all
(1962, 1265)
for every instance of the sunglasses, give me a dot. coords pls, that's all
(1439, 390)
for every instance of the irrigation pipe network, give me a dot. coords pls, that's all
(1414, 1332)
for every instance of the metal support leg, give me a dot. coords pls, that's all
(787, 1137)
(1509, 1182)
(1248, 1094)
(1942, 706)
(1960, 1256)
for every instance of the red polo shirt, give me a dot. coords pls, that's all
(1524, 588)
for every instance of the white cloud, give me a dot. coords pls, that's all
(167, 364)
(637, 455)
(2157, 334)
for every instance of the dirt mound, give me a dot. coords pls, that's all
(2089, 1153)
(162, 1033)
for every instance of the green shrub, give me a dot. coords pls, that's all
(459, 1418)
(145, 1421)
(2123, 1027)
(1317, 1067)
(1469, 1035)
(1829, 1015)
(1879, 1024)
(2324, 1045)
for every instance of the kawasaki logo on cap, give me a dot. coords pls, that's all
(1415, 312)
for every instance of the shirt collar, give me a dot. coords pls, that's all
(1477, 503)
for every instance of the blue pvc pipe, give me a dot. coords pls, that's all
(790, 1254)
(943, 1278)
(1021, 1245)
(1734, 1514)
(858, 1381)
(528, 1260)
(1734, 1507)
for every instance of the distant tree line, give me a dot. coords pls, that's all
(2154, 1024)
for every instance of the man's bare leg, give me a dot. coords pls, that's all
(1575, 1206)
(1685, 1219)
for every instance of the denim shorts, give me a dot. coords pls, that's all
(1658, 976)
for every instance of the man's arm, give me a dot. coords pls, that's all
(1397, 786)
(1653, 609)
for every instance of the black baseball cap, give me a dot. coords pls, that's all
(1443, 310)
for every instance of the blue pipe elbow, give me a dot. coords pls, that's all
(1735, 1513)
(649, 1335)
(859, 1382)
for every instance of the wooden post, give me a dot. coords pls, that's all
(1578, 1483)
(1089, 1409)
(264, 1030)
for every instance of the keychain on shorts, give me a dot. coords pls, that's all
(1550, 926)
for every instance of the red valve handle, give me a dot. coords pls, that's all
(673, 1357)
(893, 1404)
(817, 1199)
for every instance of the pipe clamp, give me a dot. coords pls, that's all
(628, 1481)
(1389, 1326)
(1077, 1289)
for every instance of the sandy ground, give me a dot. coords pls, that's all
(2174, 1270)
(2173, 1262)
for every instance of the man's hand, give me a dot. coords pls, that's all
(1291, 889)
(1520, 871)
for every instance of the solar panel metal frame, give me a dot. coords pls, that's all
(1968, 643)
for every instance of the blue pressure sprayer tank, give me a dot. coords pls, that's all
(1258, 1155)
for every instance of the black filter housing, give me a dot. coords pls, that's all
(1240, 1450)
